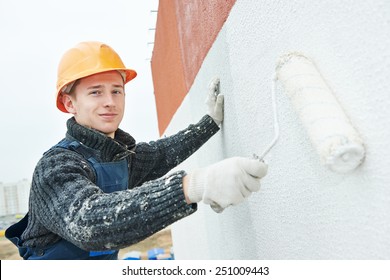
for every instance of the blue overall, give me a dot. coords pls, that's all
(110, 177)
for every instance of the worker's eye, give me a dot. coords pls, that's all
(95, 92)
(117, 91)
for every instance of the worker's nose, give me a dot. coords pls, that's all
(108, 100)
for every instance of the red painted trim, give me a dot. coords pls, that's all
(185, 32)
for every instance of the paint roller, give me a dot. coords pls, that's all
(335, 139)
(330, 131)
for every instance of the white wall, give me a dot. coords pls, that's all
(304, 210)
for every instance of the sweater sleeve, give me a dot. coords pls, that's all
(154, 159)
(64, 202)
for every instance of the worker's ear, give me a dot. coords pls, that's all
(68, 103)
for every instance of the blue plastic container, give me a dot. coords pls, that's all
(153, 253)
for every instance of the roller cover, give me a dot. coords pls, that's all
(331, 132)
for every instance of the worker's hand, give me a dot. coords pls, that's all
(226, 183)
(214, 101)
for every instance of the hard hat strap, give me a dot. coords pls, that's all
(67, 88)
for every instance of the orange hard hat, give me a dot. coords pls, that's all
(85, 59)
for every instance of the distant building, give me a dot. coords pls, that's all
(14, 197)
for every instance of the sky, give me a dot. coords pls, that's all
(34, 35)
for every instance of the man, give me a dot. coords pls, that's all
(97, 190)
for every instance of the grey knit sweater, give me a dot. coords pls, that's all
(66, 203)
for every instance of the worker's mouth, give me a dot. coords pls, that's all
(108, 116)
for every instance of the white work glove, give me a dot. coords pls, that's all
(214, 102)
(226, 183)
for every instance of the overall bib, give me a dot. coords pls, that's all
(110, 177)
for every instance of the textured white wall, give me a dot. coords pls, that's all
(304, 210)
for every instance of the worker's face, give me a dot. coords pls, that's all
(98, 102)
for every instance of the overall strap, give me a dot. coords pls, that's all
(76, 146)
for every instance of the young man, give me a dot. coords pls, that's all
(97, 190)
